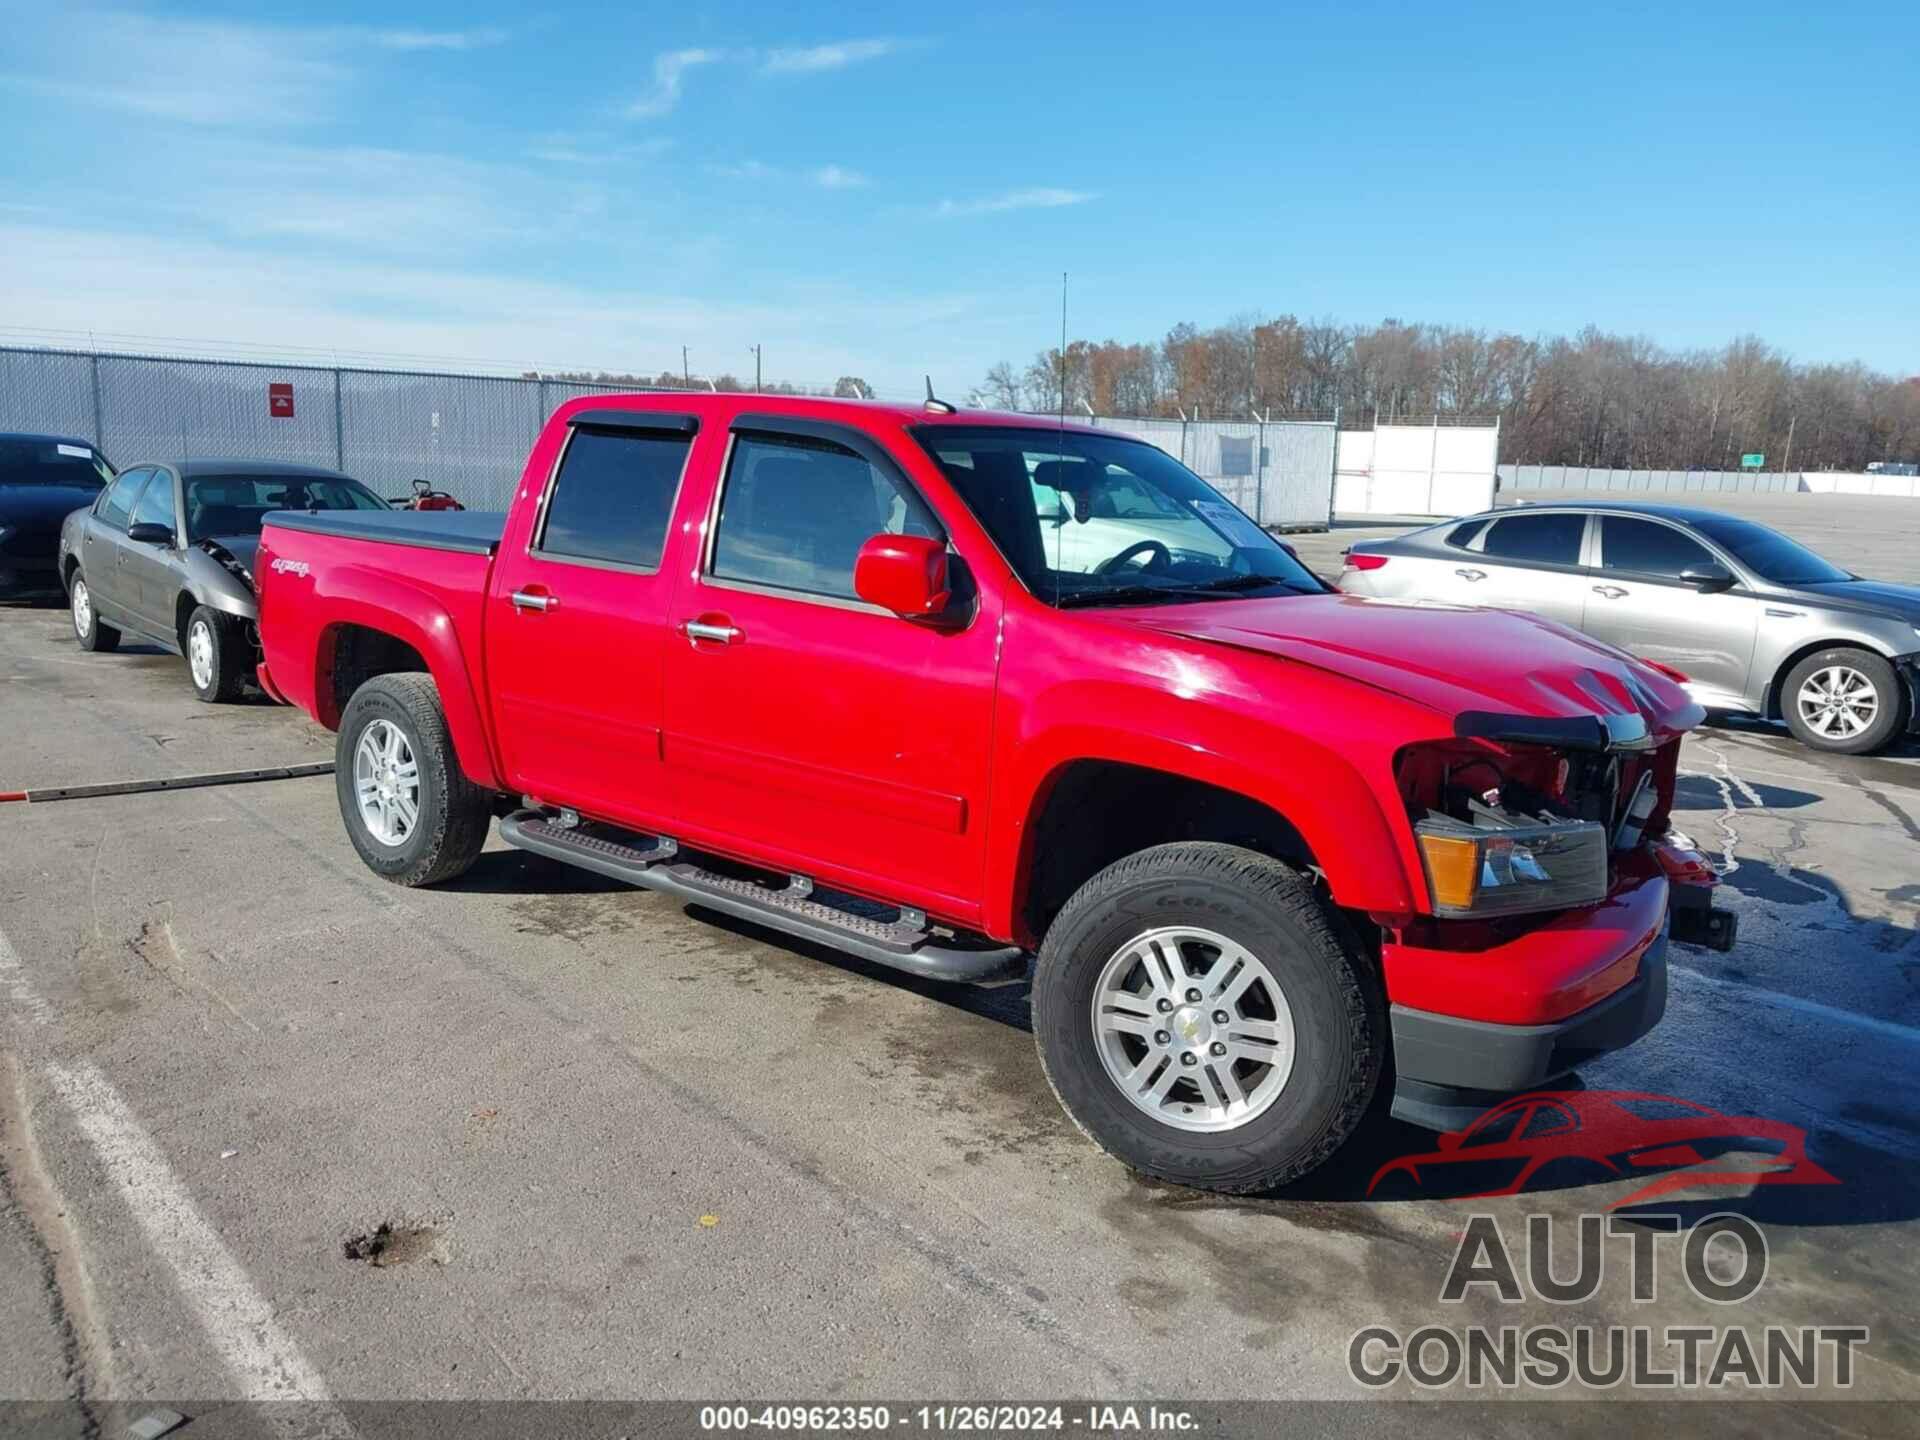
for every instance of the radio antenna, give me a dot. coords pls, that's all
(1062, 444)
(1063, 351)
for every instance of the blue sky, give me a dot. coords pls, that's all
(885, 191)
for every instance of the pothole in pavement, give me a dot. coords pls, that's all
(388, 1244)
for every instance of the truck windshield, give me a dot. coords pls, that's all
(236, 504)
(1102, 520)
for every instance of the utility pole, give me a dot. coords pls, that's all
(1792, 421)
(686, 373)
(756, 369)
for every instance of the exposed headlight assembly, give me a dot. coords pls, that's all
(1476, 872)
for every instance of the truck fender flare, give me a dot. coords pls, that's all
(386, 604)
(1326, 801)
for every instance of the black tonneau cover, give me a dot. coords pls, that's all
(474, 532)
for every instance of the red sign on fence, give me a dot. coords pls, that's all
(280, 399)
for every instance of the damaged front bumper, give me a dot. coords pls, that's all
(1473, 1025)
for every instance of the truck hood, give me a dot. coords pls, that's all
(40, 509)
(1453, 659)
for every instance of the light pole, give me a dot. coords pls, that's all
(756, 369)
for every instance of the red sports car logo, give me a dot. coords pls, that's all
(1607, 1134)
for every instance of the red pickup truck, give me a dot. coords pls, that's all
(961, 693)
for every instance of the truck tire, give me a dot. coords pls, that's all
(217, 655)
(1845, 701)
(412, 813)
(1247, 1088)
(87, 627)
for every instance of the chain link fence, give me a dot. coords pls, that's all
(470, 434)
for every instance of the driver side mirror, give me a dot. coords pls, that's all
(146, 533)
(1450, 1140)
(1707, 578)
(906, 574)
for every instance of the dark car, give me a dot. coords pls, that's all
(43, 479)
(166, 552)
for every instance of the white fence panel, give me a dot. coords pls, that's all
(1416, 469)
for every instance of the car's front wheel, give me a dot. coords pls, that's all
(1845, 701)
(217, 655)
(1207, 1019)
(410, 810)
(87, 626)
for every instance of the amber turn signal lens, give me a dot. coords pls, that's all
(1453, 869)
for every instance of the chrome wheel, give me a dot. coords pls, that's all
(386, 783)
(1193, 1028)
(200, 653)
(82, 609)
(1838, 702)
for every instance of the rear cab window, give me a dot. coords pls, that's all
(1546, 539)
(612, 498)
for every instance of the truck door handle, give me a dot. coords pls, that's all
(706, 630)
(534, 600)
(1471, 574)
(1612, 592)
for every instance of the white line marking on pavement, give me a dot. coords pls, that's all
(238, 1321)
(19, 990)
(1889, 1028)
(240, 1324)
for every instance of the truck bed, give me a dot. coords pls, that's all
(473, 532)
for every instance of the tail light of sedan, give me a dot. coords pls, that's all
(1365, 562)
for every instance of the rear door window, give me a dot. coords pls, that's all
(1550, 539)
(117, 503)
(613, 497)
(1461, 536)
(1647, 547)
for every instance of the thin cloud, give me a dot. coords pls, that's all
(811, 59)
(201, 72)
(827, 177)
(566, 148)
(838, 177)
(217, 72)
(669, 76)
(437, 39)
(1034, 198)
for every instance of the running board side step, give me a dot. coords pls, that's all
(900, 944)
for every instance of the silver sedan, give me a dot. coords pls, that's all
(1757, 623)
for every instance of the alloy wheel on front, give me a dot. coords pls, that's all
(1193, 1028)
(1837, 702)
(386, 783)
(200, 653)
(82, 609)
